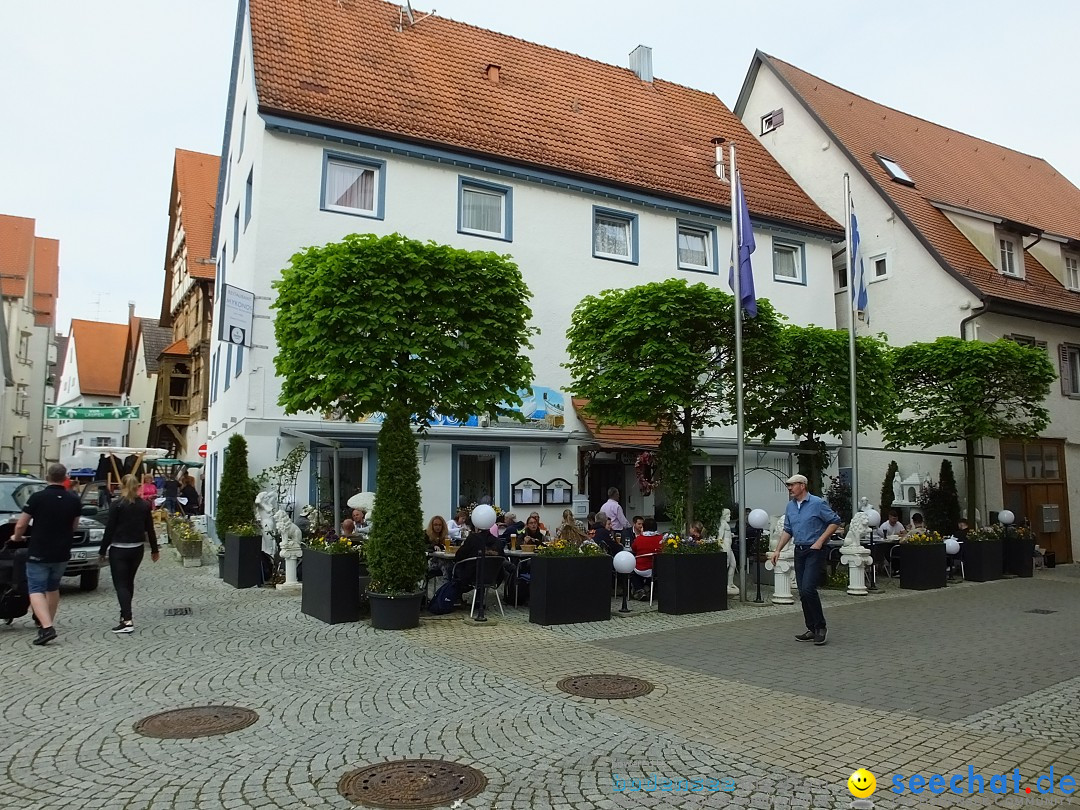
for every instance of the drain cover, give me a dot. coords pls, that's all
(411, 783)
(198, 721)
(605, 687)
(178, 611)
(1041, 610)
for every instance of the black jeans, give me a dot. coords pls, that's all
(124, 563)
(809, 564)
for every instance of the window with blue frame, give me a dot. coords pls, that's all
(697, 247)
(353, 185)
(485, 209)
(615, 235)
(788, 262)
(249, 190)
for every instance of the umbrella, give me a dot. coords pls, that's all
(362, 500)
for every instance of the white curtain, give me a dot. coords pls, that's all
(784, 263)
(350, 186)
(481, 210)
(611, 236)
(692, 249)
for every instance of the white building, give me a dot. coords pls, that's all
(959, 237)
(590, 176)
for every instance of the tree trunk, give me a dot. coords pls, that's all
(810, 463)
(969, 476)
(688, 441)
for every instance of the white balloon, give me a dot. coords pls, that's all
(758, 518)
(873, 518)
(624, 562)
(1006, 516)
(952, 545)
(483, 517)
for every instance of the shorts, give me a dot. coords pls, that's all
(43, 577)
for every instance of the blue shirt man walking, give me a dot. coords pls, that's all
(810, 521)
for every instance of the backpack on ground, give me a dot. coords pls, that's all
(446, 598)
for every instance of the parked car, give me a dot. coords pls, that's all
(15, 490)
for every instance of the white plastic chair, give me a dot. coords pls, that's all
(648, 575)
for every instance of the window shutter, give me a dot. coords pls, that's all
(1066, 370)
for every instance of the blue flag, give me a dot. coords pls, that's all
(747, 245)
(858, 270)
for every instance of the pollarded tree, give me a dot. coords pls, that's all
(664, 353)
(406, 328)
(966, 390)
(812, 398)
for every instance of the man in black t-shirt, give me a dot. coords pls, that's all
(54, 514)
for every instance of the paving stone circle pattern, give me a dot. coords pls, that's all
(411, 783)
(197, 721)
(605, 687)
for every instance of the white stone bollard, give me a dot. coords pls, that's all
(291, 549)
(784, 570)
(856, 558)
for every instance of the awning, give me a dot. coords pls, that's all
(640, 435)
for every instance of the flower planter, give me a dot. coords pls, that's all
(691, 583)
(922, 567)
(567, 590)
(396, 612)
(243, 561)
(190, 552)
(1019, 557)
(331, 587)
(982, 560)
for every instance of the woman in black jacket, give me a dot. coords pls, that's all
(130, 526)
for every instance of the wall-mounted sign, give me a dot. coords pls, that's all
(116, 412)
(235, 317)
(543, 409)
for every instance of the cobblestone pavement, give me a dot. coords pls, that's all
(909, 683)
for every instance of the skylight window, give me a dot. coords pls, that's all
(894, 170)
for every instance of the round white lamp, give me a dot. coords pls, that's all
(952, 545)
(758, 518)
(483, 517)
(1006, 517)
(873, 518)
(624, 563)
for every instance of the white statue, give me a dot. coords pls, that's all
(858, 529)
(265, 506)
(725, 543)
(290, 536)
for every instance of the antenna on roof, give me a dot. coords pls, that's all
(406, 11)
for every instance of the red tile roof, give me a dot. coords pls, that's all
(178, 349)
(100, 351)
(640, 434)
(547, 109)
(46, 280)
(196, 179)
(956, 169)
(16, 252)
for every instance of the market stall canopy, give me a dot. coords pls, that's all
(146, 452)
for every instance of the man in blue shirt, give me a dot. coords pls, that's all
(811, 522)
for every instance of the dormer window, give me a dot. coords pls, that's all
(1011, 262)
(894, 170)
(1072, 272)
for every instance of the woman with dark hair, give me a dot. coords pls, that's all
(130, 525)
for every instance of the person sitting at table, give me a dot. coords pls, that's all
(437, 533)
(511, 526)
(348, 528)
(697, 532)
(532, 533)
(602, 536)
(455, 525)
(649, 542)
(569, 530)
(363, 526)
(917, 524)
(477, 544)
(892, 528)
(539, 522)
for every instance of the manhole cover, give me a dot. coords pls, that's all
(605, 687)
(198, 721)
(1041, 610)
(178, 611)
(411, 783)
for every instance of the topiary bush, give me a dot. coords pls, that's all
(395, 549)
(236, 496)
(887, 493)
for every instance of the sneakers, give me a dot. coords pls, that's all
(809, 635)
(44, 636)
(125, 626)
(820, 637)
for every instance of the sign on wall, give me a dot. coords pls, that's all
(237, 312)
(115, 412)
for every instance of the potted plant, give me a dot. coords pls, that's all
(242, 558)
(236, 495)
(570, 584)
(923, 561)
(691, 576)
(1019, 551)
(982, 553)
(187, 540)
(332, 579)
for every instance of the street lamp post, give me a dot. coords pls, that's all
(483, 518)
(624, 562)
(759, 519)
(1006, 519)
(873, 520)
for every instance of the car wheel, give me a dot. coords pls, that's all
(89, 581)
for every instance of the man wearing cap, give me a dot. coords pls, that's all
(811, 522)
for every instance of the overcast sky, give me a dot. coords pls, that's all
(98, 93)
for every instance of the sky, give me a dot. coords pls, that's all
(97, 94)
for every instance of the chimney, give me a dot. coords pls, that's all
(641, 62)
(131, 310)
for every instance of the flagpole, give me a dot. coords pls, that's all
(740, 445)
(853, 295)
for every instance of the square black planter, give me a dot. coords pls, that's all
(331, 587)
(1019, 557)
(922, 567)
(567, 590)
(243, 561)
(691, 583)
(982, 560)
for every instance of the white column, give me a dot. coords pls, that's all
(784, 570)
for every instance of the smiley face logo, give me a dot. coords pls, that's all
(862, 783)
